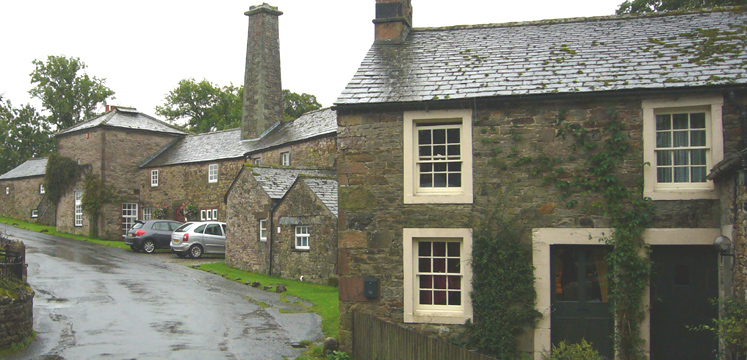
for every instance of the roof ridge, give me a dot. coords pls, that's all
(738, 8)
(215, 132)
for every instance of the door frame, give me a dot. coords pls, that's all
(543, 238)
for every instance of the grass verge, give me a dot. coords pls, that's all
(324, 298)
(51, 230)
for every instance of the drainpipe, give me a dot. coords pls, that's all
(271, 232)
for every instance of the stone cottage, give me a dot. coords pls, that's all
(23, 192)
(442, 125)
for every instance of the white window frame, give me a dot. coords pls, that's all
(257, 161)
(302, 237)
(436, 314)
(154, 178)
(263, 230)
(7, 190)
(203, 215)
(129, 215)
(78, 214)
(213, 173)
(34, 213)
(215, 214)
(41, 189)
(285, 158)
(712, 106)
(413, 193)
(147, 213)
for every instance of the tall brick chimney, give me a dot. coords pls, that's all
(263, 93)
(393, 21)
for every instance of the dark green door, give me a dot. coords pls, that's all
(683, 280)
(580, 297)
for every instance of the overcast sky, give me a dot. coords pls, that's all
(144, 47)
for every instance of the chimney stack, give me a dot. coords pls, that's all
(263, 93)
(393, 21)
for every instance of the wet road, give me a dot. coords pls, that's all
(97, 302)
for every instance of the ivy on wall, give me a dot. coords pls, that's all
(61, 174)
(96, 194)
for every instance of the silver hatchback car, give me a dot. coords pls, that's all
(196, 238)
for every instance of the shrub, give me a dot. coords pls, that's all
(580, 351)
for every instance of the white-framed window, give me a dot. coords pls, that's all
(204, 215)
(34, 213)
(78, 208)
(129, 215)
(263, 230)
(257, 161)
(41, 189)
(285, 158)
(438, 157)
(682, 140)
(7, 190)
(215, 214)
(154, 178)
(302, 237)
(208, 214)
(437, 275)
(147, 213)
(213, 173)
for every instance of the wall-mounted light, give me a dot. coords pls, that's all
(723, 245)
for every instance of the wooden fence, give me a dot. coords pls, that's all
(375, 339)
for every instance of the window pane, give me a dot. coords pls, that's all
(426, 181)
(439, 136)
(664, 157)
(439, 265)
(455, 282)
(699, 174)
(697, 121)
(453, 136)
(425, 297)
(426, 282)
(455, 166)
(426, 168)
(424, 151)
(453, 266)
(424, 137)
(663, 122)
(439, 298)
(698, 138)
(698, 157)
(439, 167)
(680, 139)
(681, 157)
(679, 121)
(454, 249)
(424, 265)
(439, 282)
(681, 174)
(663, 139)
(455, 180)
(424, 248)
(454, 150)
(439, 248)
(664, 175)
(455, 298)
(439, 150)
(439, 180)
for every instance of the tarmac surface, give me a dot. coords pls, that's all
(98, 302)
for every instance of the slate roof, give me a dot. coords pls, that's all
(32, 167)
(325, 189)
(126, 119)
(556, 56)
(276, 181)
(228, 144)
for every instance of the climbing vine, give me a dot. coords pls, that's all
(96, 194)
(61, 174)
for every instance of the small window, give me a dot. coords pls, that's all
(41, 189)
(78, 208)
(154, 178)
(215, 214)
(257, 161)
(129, 215)
(7, 190)
(263, 230)
(35, 213)
(147, 213)
(302, 237)
(285, 158)
(204, 215)
(213, 173)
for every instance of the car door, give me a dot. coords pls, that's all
(162, 235)
(215, 240)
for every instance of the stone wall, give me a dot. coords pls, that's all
(188, 183)
(23, 197)
(247, 204)
(370, 174)
(314, 153)
(16, 318)
(318, 264)
(114, 154)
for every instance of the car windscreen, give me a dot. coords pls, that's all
(184, 227)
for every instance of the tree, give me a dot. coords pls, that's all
(206, 106)
(295, 105)
(209, 107)
(646, 6)
(66, 91)
(24, 134)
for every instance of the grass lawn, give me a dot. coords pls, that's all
(51, 230)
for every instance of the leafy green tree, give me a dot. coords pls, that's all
(295, 105)
(209, 107)
(206, 106)
(24, 134)
(646, 6)
(66, 91)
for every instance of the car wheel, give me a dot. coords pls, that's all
(149, 246)
(195, 251)
(134, 248)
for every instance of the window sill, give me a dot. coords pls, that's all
(438, 199)
(300, 250)
(683, 194)
(436, 318)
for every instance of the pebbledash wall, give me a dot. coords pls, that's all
(114, 154)
(373, 213)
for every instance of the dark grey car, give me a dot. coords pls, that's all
(150, 235)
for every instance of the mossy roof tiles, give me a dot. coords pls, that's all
(30, 168)
(582, 55)
(125, 119)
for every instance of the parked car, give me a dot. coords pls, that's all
(196, 238)
(150, 235)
